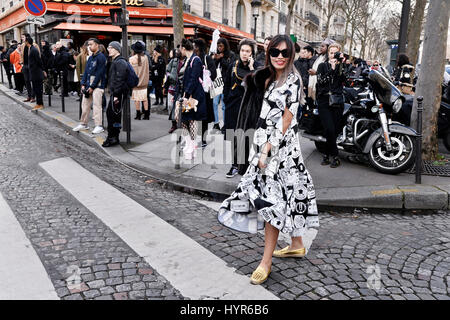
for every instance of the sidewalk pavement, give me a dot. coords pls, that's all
(152, 151)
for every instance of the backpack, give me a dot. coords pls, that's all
(206, 78)
(132, 78)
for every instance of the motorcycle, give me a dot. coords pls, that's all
(367, 129)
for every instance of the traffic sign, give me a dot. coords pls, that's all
(36, 8)
(36, 20)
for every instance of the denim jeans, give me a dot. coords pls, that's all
(216, 102)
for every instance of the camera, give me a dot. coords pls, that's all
(337, 56)
(86, 93)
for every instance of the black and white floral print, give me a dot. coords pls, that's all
(285, 185)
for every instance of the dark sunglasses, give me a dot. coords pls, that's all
(274, 53)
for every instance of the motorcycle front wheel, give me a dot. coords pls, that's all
(397, 160)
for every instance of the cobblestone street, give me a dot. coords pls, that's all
(357, 254)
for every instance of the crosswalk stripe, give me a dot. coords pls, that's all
(22, 275)
(192, 269)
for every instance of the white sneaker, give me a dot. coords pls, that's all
(80, 127)
(98, 129)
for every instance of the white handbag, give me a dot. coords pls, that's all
(217, 85)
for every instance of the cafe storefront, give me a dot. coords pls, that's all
(79, 20)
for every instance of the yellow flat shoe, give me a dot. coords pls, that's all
(259, 275)
(286, 253)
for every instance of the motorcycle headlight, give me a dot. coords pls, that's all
(397, 105)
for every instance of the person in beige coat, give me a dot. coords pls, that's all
(140, 64)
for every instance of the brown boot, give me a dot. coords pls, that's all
(37, 107)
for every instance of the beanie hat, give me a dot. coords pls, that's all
(116, 45)
(138, 47)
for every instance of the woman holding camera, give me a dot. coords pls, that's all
(330, 88)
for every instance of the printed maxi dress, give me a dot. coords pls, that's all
(285, 184)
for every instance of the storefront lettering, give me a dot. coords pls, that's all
(136, 3)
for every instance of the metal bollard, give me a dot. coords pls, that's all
(419, 141)
(50, 80)
(1, 68)
(62, 91)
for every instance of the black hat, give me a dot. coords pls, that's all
(158, 48)
(138, 47)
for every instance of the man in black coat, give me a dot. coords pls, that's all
(62, 66)
(36, 70)
(158, 70)
(6, 64)
(48, 61)
(118, 91)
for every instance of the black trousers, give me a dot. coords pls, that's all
(330, 118)
(27, 77)
(114, 116)
(19, 81)
(38, 91)
(158, 92)
(9, 73)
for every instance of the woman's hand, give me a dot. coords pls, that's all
(312, 72)
(262, 161)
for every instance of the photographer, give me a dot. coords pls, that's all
(92, 87)
(330, 85)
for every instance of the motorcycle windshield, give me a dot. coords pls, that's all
(383, 88)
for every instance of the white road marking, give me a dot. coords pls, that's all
(308, 237)
(22, 275)
(193, 270)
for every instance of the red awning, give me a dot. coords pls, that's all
(111, 28)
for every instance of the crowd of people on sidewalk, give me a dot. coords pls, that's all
(196, 79)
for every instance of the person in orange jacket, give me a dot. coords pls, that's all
(18, 75)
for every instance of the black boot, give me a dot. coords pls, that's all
(138, 115)
(174, 126)
(147, 114)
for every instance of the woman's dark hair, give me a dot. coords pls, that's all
(29, 39)
(248, 42)
(187, 44)
(225, 44)
(275, 42)
(200, 44)
(402, 60)
(297, 47)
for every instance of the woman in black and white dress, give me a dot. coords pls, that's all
(276, 183)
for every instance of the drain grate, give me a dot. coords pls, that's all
(433, 168)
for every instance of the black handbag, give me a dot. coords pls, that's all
(335, 99)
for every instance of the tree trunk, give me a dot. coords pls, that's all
(178, 22)
(431, 74)
(344, 43)
(415, 29)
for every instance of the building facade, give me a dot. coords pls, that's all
(234, 18)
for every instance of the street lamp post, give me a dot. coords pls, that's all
(256, 4)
